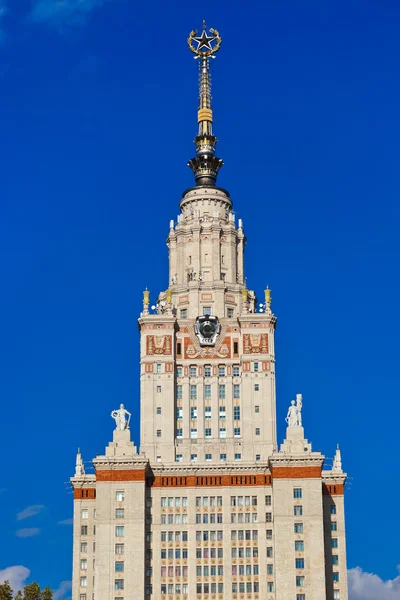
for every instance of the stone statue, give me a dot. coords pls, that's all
(120, 418)
(293, 418)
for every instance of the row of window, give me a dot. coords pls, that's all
(244, 552)
(176, 571)
(177, 502)
(206, 518)
(244, 517)
(244, 534)
(177, 588)
(249, 587)
(174, 536)
(193, 391)
(211, 536)
(244, 500)
(177, 519)
(207, 370)
(209, 457)
(239, 570)
(210, 571)
(207, 432)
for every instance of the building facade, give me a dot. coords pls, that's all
(210, 507)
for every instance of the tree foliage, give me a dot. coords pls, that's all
(31, 591)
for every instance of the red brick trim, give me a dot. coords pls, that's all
(121, 475)
(210, 481)
(333, 489)
(84, 494)
(296, 472)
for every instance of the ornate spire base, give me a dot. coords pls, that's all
(205, 169)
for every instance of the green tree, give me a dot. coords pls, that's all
(6, 592)
(32, 591)
(18, 596)
(47, 594)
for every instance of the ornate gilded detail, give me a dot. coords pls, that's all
(255, 343)
(158, 345)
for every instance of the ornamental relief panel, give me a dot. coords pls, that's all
(193, 350)
(255, 343)
(158, 345)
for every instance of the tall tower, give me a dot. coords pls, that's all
(209, 508)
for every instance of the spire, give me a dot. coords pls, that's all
(79, 468)
(205, 165)
(337, 461)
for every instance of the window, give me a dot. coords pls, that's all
(82, 596)
(221, 392)
(179, 412)
(335, 577)
(179, 457)
(238, 456)
(335, 560)
(179, 349)
(236, 413)
(207, 390)
(256, 387)
(236, 432)
(207, 432)
(222, 432)
(83, 581)
(208, 457)
(84, 530)
(300, 580)
(206, 310)
(258, 456)
(119, 531)
(333, 509)
(159, 410)
(192, 371)
(222, 412)
(255, 367)
(207, 412)
(158, 432)
(257, 431)
(207, 371)
(336, 595)
(158, 368)
(221, 371)
(298, 510)
(119, 549)
(257, 409)
(179, 392)
(84, 547)
(179, 433)
(236, 370)
(119, 513)
(298, 528)
(120, 496)
(183, 313)
(193, 392)
(193, 457)
(222, 457)
(84, 513)
(270, 552)
(270, 569)
(334, 542)
(270, 586)
(333, 526)
(268, 534)
(83, 564)
(299, 563)
(299, 545)
(300, 597)
(236, 390)
(235, 347)
(268, 517)
(119, 566)
(267, 500)
(119, 584)
(193, 412)
(297, 493)
(159, 389)
(229, 313)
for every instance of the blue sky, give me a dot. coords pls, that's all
(98, 113)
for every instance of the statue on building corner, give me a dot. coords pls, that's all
(293, 418)
(121, 422)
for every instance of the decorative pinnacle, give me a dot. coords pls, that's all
(205, 165)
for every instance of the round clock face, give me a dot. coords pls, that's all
(207, 328)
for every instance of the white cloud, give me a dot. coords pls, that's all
(15, 575)
(66, 522)
(368, 586)
(63, 589)
(30, 511)
(28, 532)
(61, 12)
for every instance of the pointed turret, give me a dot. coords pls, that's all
(79, 468)
(205, 165)
(337, 461)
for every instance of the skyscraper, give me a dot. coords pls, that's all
(210, 507)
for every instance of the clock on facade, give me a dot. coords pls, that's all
(207, 329)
